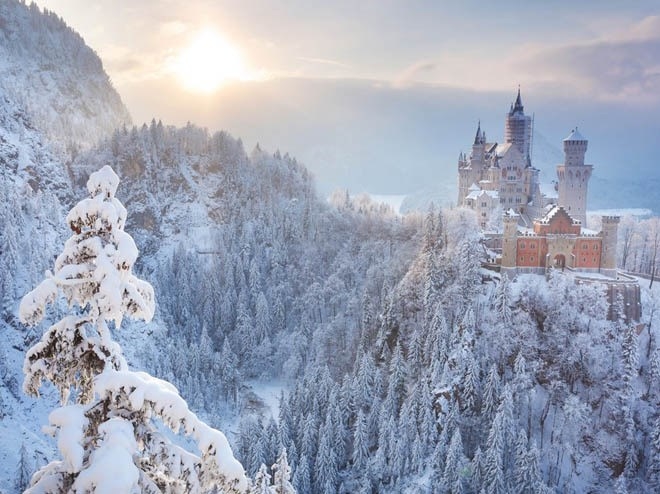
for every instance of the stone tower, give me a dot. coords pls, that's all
(574, 177)
(608, 254)
(518, 129)
(509, 243)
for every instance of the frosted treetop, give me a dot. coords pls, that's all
(104, 181)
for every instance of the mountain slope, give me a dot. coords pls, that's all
(46, 68)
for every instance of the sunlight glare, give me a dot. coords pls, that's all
(209, 62)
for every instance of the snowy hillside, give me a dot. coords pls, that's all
(31, 181)
(46, 68)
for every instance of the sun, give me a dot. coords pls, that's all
(208, 62)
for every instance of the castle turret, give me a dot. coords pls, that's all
(509, 243)
(574, 177)
(518, 129)
(608, 253)
(469, 171)
(478, 147)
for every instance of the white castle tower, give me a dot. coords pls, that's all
(574, 177)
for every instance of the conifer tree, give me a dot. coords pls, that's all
(476, 479)
(302, 477)
(261, 484)
(654, 457)
(494, 474)
(106, 428)
(360, 442)
(502, 302)
(326, 461)
(491, 393)
(23, 470)
(282, 475)
(452, 478)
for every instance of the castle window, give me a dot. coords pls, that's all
(595, 246)
(483, 204)
(483, 215)
(522, 245)
(585, 246)
(522, 258)
(532, 246)
(531, 259)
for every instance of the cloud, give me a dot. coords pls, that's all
(324, 61)
(626, 66)
(420, 71)
(173, 28)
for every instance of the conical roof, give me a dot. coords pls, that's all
(575, 136)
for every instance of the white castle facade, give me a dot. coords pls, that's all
(496, 178)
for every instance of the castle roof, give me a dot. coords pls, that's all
(480, 137)
(557, 211)
(575, 136)
(502, 149)
(475, 194)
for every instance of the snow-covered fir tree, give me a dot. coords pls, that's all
(108, 422)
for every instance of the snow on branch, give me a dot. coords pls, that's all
(108, 437)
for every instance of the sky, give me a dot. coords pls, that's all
(336, 82)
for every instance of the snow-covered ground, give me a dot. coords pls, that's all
(268, 393)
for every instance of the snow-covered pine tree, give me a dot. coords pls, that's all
(23, 470)
(282, 475)
(502, 301)
(261, 482)
(360, 455)
(107, 433)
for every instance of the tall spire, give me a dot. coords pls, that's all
(517, 106)
(477, 137)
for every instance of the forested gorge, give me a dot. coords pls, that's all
(402, 368)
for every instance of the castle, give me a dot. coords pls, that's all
(497, 177)
(539, 233)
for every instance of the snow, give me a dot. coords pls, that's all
(111, 468)
(70, 422)
(575, 136)
(103, 182)
(149, 392)
(270, 393)
(31, 309)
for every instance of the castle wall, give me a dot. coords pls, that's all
(531, 251)
(587, 253)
